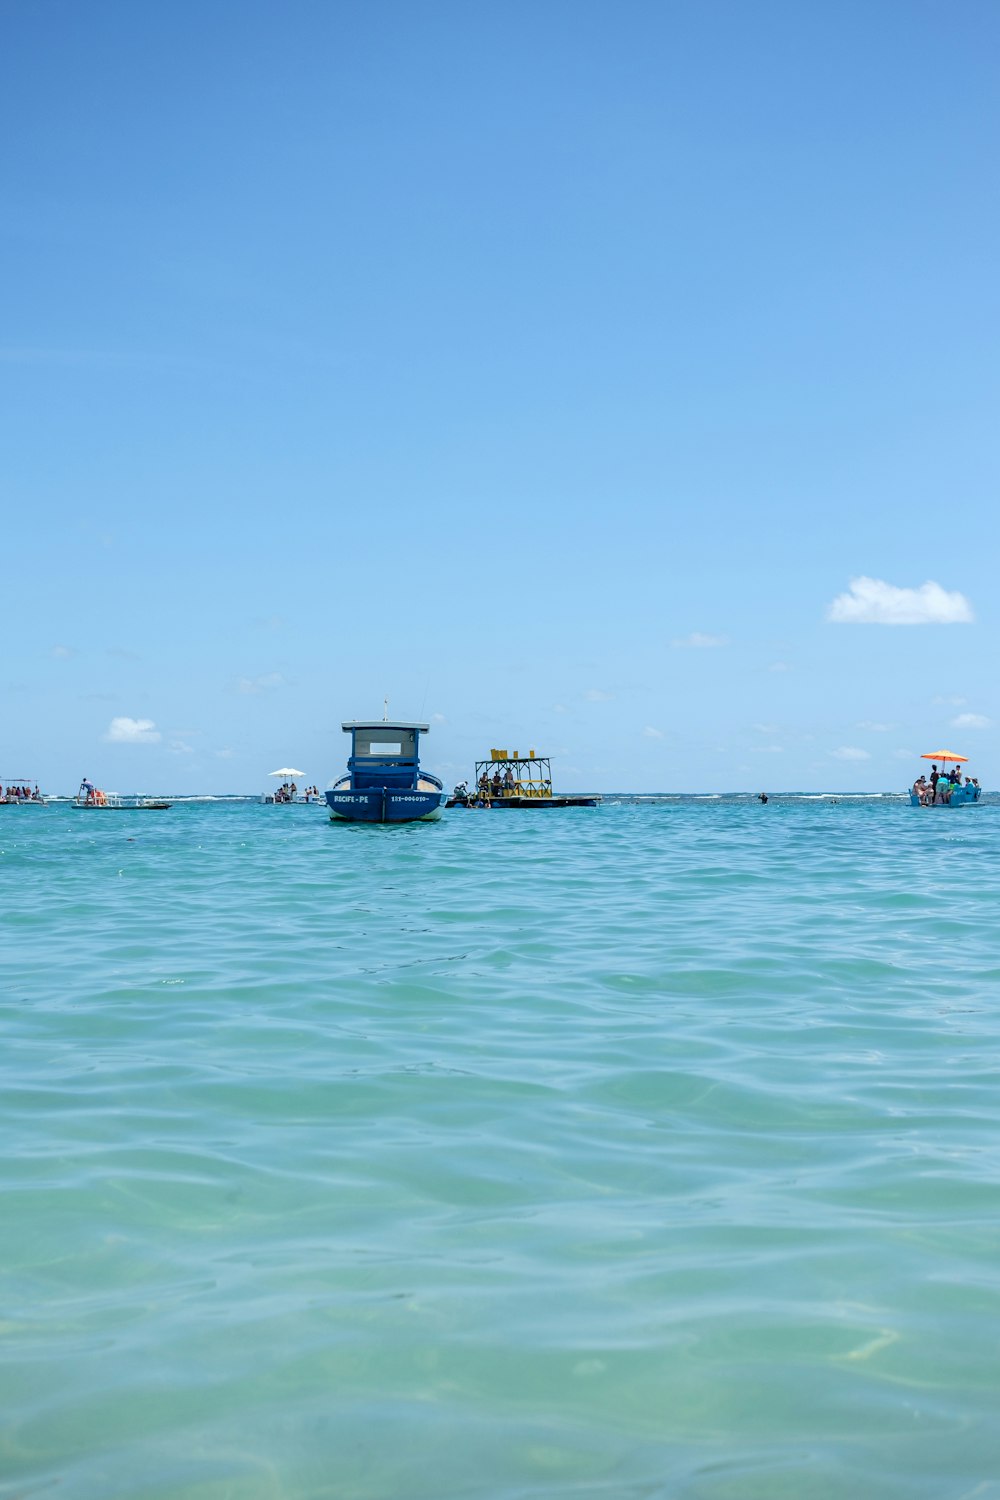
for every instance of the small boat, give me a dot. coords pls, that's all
(946, 789)
(384, 782)
(91, 796)
(288, 794)
(16, 791)
(517, 781)
(94, 800)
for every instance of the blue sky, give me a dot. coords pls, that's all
(551, 369)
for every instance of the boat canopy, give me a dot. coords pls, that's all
(383, 741)
(352, 724)
(531, 774)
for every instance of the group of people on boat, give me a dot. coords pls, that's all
(288, 791)
(488, 790)
(498, 786)
(938, 788)
(20, 792)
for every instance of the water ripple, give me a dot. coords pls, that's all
(644, 1151)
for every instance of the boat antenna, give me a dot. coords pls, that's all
(385, 710)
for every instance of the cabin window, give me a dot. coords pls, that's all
(371, 743)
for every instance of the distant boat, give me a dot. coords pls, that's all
(93, 799)
(384, 782)
(945, 792)
(288, 794)
(16, 791)
(516, 781)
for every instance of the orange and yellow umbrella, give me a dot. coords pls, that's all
(943, 755)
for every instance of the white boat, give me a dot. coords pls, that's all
(20, 791)
(288, 794)
(91, 798)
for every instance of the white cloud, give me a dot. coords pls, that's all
(766, 728)
(970, 721)
(949, 702)
(767, 749)
(261, 684)
(559, 708)
(701, 642)
(126, 731)
(850, 752)
(438, 719)
(652, 734)
(63, 653)
(178, 747)
(874, 728)
(871, 601)
(903, 755)
(598, 695)
(224, 754)
(779, 666)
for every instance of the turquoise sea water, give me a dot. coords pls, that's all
(644, 1151)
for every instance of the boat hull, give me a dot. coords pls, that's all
(962, 796)
(121, 806)
(520, 802)
(384, 805)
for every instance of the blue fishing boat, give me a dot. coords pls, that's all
(944, 789)
(384, 782)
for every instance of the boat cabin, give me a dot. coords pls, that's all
(384, 754)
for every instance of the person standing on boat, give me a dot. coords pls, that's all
(934, 778)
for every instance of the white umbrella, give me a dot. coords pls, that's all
(286, 771)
